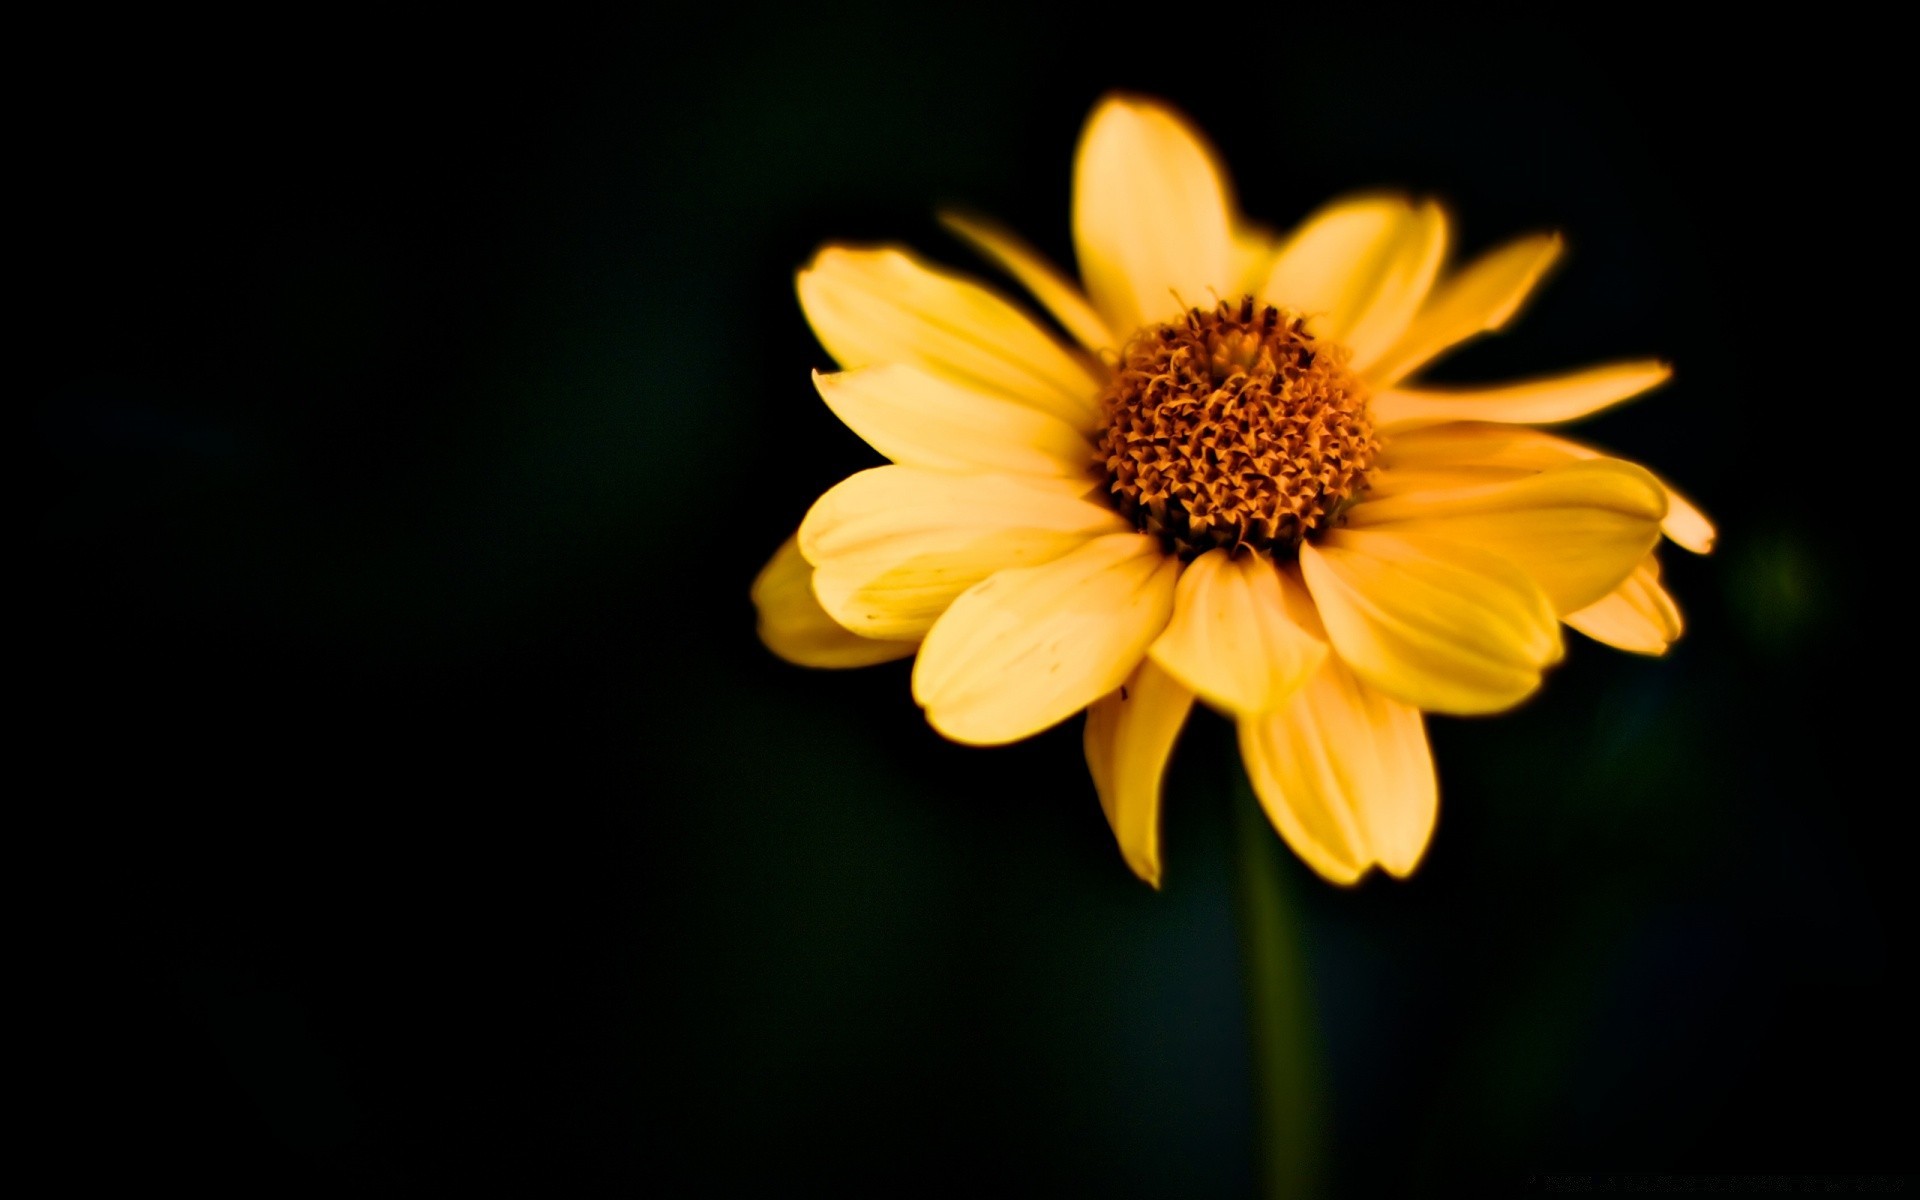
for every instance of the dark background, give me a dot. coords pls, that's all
(415, 402)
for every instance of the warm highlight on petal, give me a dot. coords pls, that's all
(1029, 647)
(1129, 737)
(1466, 454)
(883, 305)
(1152, 215)
(1345, 775)
(1577, 530)
(1230, 638)
(1638, 616)
(1479, 299)
(919, 419)
(794, 626)
(1546, 401)
(1686, 526)
(893, 546)
(1254, 246)
(1359, 270)
(1055, 292)
(1443, 627)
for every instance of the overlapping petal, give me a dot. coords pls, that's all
(1254, 246)
(919, 419)
(1129, 736)
(1055, 292)
(1438, 625)
(1686, 526)
(1231, 638)
(794, 626)
(884, 305)
(893, 546)
(1638, 616)
(1345, 775)
(1152, 215)
(1465, 454)
(1479, 299)
(1029, 647)
(1359, 269)
(1577, 530)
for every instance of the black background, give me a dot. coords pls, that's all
(417, 399)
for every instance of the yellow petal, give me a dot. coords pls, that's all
(1359, 269)
(1254, 246)
(1055, 292)
(1474, 447)
(1686, 526)
(1463, 454)
(922, 420)
(794, 626)
(1345, 775)
(893, 546)
(1638, 616)
(1030, 647)
(883, 305)
(1478, 299)
(1577, 530)
(1152, 222)
(1534, 402)
(1441, 626)
(1129, 736)
(1231, 639)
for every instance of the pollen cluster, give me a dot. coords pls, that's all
(1234, 428)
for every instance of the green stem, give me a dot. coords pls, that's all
(1280, 1020)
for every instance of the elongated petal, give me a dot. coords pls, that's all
(794, 626)
(1152, 222)
(1055, 292)
(1441, 626)
(1467, 446)
(1534, 402)
(883, 305)
(1231, 639)
(919, 419)
(1686, 526)
(1029, 647)
(1479, 299)
(1463, 454)
(1577, 530)
(1345, 775)
(1638, 616)
(1405, 277)
(1359, 269)
(893, 546)
(1129, 737)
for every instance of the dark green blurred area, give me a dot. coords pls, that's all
(418, 401)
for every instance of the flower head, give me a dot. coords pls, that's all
(1223, 488)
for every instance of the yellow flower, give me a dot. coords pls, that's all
(1228, 490)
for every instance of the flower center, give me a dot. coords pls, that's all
(1231, 427)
